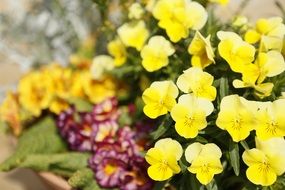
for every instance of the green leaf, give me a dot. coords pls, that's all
(162, 128)
(212, 185)
(224, 87)
(160, 185)
(234, 157)
(81, 105)
(41, 138)
(84, 179)
(244, 144)
(64, 163)
(194, 183)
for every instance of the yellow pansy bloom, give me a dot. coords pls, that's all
(98, 90)
(266, 65)
(238, 53)
(159, 98)
(201, 50)
(61, 78)
(35, 92)
(270, 120)
(266, 161)
(136, 11)
(133, 34)
(10, 112)
(100, 65)
(163, 159)
(190, 115)
(270, 31)
(178, 16)
(155, 53)
(236, 117)
(117, 49)
(58, 105)
(205, 161)
(65, 82)
(198, 82)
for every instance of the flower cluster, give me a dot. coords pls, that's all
(54, 88)
(116, 159)
(231, 85)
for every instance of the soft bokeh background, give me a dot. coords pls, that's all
(40, 31)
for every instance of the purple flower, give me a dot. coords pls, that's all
(106, 110)
(81, 129)
(117, 163)
(76, 133)
(137, 178)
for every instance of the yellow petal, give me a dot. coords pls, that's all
(159, 172)
(154, 110)
(275, 64)
(196, 16)
(187, 131)
(261, 177)
(277, 163)
(205, 168)
(193, 151)
(154, 156)
(179, 112)
(211, 149)
(169, 146)
(271, 146)
(151, 95)
(192, 102)
(253, 156)
(251, 36)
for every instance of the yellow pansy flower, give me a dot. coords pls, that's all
(198, 82)
(190, 115)
(238, 53)
(35, 92)
(178, 16)
(205, 161)
(159, 98)
(270, 31)
(201, 50)
(10, 112)
(266, 65)
(266, 161)
(58, 105)
(270, 120)
(65, 82)
(117, 49)
(133, 34)
(100, 65)
(136, 11)
(236, 117)
(98, 90)
(163, 159)
(61, 79)
(155, 53)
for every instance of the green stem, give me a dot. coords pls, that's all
(244, 144)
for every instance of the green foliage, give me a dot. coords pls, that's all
(64, 164)
(80, 104)
(84, 180)
(41, 138)
(234, 157)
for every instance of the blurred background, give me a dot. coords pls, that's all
(35, 32)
